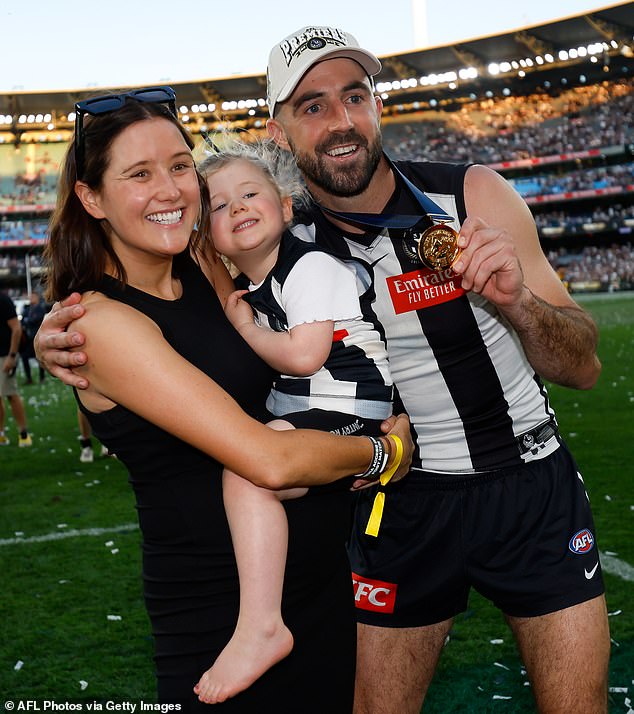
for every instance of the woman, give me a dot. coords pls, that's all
(160, 356)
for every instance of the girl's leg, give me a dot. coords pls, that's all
(260, 539)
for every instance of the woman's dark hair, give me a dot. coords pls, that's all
(79, 250)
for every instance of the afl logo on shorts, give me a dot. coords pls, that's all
(581, 542)
(316, 43)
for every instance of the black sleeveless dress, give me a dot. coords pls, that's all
(189, 571)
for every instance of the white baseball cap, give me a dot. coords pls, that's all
(290, 59)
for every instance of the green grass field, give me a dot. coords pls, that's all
(71, 609)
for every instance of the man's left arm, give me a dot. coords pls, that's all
(502, 260)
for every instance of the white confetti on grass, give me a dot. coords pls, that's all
(614, 613)
(496, 642)
(618, 690)
(83, 684)
(72, 533)
(114, 618)
(18, 665)
(499, 664)
(500, 696)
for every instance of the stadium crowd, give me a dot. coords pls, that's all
(619, 175)
(517, 127)
(15, 191)
(19, 230)
(614, 217)
(611, 267)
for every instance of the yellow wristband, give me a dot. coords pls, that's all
(387, 475)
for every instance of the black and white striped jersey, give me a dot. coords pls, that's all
(459, 368)
(308, 285)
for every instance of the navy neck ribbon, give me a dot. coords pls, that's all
(396, 220)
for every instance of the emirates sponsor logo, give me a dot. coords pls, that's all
(423, 288)
(373, 595)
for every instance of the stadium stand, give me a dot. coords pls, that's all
(557, 123)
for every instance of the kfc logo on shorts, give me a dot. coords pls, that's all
(373, 595)
(581, 542)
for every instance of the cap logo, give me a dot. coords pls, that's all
(312, 38)
(316, 43)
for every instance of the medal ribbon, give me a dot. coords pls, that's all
(396, 220)
(374, 522)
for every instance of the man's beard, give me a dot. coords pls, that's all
(349, 181)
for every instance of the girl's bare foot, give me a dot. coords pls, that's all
(247, 655)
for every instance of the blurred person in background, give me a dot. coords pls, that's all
(10, 336)
(32, 316)
(87, 453)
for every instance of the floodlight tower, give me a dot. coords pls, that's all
(419, 23)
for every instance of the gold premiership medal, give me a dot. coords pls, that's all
(438, 247)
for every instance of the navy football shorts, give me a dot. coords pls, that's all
(522, 537)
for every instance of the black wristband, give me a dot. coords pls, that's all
(379, 461)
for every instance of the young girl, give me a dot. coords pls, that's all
(334, 376)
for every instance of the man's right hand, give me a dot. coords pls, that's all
(53, 343)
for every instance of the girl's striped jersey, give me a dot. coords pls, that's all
(458, 366)
(308, 285)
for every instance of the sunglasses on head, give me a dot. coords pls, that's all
(107, 103)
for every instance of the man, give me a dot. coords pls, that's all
(464, 346)
(494, 500)
(32, 316)
(10, 335)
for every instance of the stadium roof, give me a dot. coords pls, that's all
(611, 26)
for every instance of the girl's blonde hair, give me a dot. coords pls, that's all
(277, 165)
